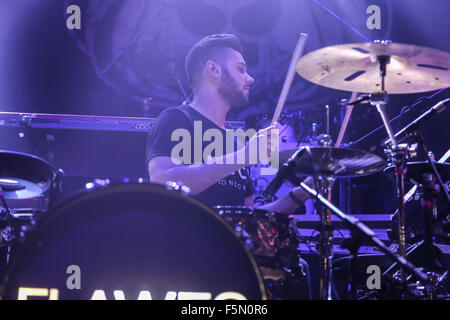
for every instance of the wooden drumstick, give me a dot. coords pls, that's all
(289, 77)
(346, 120)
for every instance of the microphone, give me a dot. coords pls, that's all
(413, 126)
(283, 173)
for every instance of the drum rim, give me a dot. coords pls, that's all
(81, 196)
(50, 167)
(249, 212)
(29, 155)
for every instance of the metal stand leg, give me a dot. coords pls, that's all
(326, 243)
(399, 156)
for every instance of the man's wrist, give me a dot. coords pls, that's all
(300, 194)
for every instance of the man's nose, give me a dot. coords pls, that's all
(250, 80)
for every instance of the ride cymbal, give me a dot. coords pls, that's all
(353, 67)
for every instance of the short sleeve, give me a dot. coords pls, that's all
(159, 142)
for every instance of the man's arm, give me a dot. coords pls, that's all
(286, 204)
(198, 177)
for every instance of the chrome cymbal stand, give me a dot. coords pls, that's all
(396, 154)
(326, 240)
(325, 184)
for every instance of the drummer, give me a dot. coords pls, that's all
(220, 82)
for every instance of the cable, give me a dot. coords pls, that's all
(341, 20)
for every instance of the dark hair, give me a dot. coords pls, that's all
(206, 49)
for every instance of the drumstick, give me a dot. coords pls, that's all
(346, 120)
(289, 77)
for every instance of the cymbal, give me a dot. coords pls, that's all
(416, 170)
(335, 162)
(352, 67)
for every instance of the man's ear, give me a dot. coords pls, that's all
(213, 68)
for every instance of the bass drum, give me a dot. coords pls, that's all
(132, 241)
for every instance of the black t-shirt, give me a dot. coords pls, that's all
(231, 190)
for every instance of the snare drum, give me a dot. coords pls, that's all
(132, 241)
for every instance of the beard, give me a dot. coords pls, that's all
(229, 90)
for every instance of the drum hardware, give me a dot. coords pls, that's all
(429, 198)
(395, 287)
(365, 233)
(28, 187)
(272, 239)
(414, 175)
(420, 173)
(325, 163)
(344, 184)
(178, 186)
(417, 169)
(353, 67)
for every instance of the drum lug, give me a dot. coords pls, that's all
(97, 183)
(178, 186)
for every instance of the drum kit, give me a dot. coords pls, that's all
(155, 241)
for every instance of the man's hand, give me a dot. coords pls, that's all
(286, 204)
(300, 193)
(252, 151)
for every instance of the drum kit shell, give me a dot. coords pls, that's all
(214, 251)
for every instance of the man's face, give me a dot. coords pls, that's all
(235, 81)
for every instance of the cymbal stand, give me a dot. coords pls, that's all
(326, 240)
(325, 183)
(397, 154)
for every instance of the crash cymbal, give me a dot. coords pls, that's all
(335, 162)
(415, 171)
(352, 67)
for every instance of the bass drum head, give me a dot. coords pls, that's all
(129, 241)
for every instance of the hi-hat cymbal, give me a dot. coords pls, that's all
(353, 67)
(335, 162)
